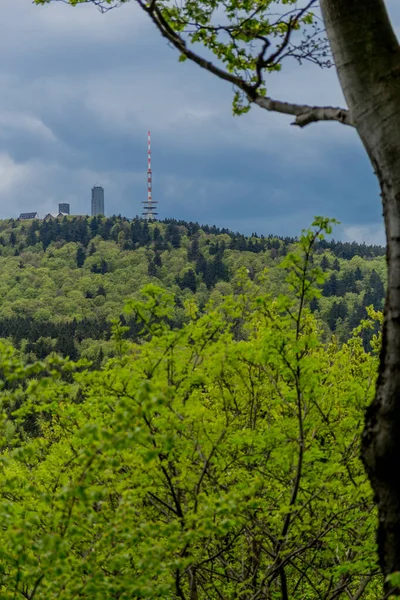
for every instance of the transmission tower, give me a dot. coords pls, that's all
(149, 204)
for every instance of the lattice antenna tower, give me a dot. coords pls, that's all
(149, 208)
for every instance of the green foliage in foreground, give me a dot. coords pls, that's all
(217, 461)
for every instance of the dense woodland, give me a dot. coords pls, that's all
(215, 455)
(64, 280)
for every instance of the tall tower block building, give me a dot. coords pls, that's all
(97, 201)
(149, 208)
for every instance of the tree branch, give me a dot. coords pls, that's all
(291, 25)
(103, 5)
(363, 585)
(304, 114)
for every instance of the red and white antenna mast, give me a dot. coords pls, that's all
(149, 204)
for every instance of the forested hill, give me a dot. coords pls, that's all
(62, 281)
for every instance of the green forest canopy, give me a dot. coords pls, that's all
(217, 459)
(63, 281)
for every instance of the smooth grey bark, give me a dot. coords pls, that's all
(367, 59)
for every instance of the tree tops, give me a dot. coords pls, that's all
(70, 279)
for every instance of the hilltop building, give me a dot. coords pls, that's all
(64, 208)
(27, 216)
(55, 216)
(97, 201)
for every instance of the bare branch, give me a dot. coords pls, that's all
(304, 113)
(102, 5)
(291, 25)
(363, 585)
(205, 468)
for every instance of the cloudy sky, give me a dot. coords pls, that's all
(79, 90)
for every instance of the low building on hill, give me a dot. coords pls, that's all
(59, 215)
(28, 216)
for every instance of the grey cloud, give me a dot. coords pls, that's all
(80, 90)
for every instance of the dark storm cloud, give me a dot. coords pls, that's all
(80, 90)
